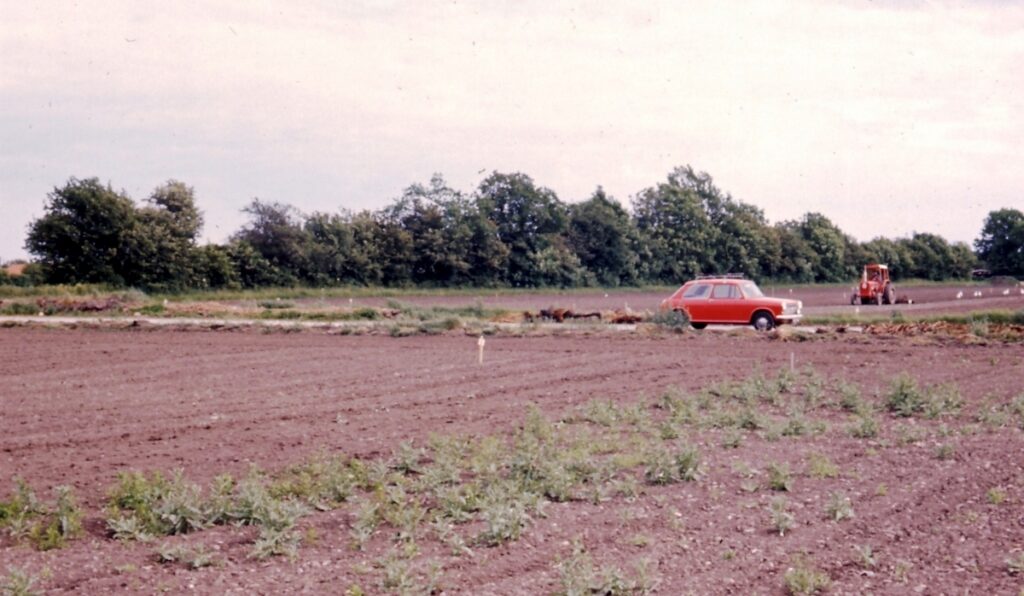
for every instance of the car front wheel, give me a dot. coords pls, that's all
(762, 321)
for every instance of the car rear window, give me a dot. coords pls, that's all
(697, 291)
(750, 290)
(725, 291)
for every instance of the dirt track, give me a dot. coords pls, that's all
(79, 406)
(928, 299)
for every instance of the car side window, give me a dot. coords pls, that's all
(697, 291)
(724, 291)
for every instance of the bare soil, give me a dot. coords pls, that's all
(78, 406)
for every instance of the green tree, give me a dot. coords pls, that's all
(676, 234)
(1001, 244)
(528, 220)
(275, 232)
(602, 235)
(931, 255)
(828, 244)
(163, 240)
(85, 234)
(453, 243)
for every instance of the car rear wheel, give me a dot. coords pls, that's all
(762, 320)
(698, 325)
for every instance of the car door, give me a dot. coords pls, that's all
(725, 304)
(695, 301)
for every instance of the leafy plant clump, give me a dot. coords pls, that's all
(46, 527)
(803, 579)
(672, 320)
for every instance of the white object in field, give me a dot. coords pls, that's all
(480, 344)
(960, 294)
(792, 362)
(791, 291)
(350, 302)
(856, 310)
(1006, 292)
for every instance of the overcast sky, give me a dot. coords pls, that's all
(888, 117)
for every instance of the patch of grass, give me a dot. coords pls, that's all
(782, 520)
(866, 556)
(666, 467)
(672, 320)
(820, 466)
(996, 495)
(192, 558)
(803, 579)
(839, 507)
(578, 575)
(904, 397)
(46, 527)
(779, 477)
(944, 452)
(18, 582)
(866, 427)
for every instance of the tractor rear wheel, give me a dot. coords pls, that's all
(890, 294)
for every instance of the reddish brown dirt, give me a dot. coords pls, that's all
(79, 406)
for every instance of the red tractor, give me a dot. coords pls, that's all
(875, 286)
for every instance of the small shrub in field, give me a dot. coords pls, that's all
(839, 507)
(781, 518)
(18, 583)
(47, 528)
(904, 397)
(665, 467)
(673, 320)
(942, 399)
(194, 559)
(779, 477)
(366, 522)
(505, 511)
(945, 451)
(820, 466)
(579, 576)
(277, 530)
(59, 525)
(866, 556)
(803, 580)
(866, 427)
(996, 495)
(979, 327)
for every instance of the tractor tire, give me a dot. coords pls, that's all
(698, 326)
(890, 294)
(762, 321)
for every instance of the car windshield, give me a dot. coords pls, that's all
(697, 291)
(750, 290)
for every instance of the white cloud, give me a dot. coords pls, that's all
(906, 113)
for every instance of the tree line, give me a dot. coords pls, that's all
(508, 232)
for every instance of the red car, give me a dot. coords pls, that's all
(731, 300)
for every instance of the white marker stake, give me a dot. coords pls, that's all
(480, 344)
(792, 362)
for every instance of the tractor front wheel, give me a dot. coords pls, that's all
(890, 294)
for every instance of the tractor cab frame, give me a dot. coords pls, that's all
(875, 287)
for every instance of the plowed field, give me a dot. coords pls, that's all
(936, 497)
